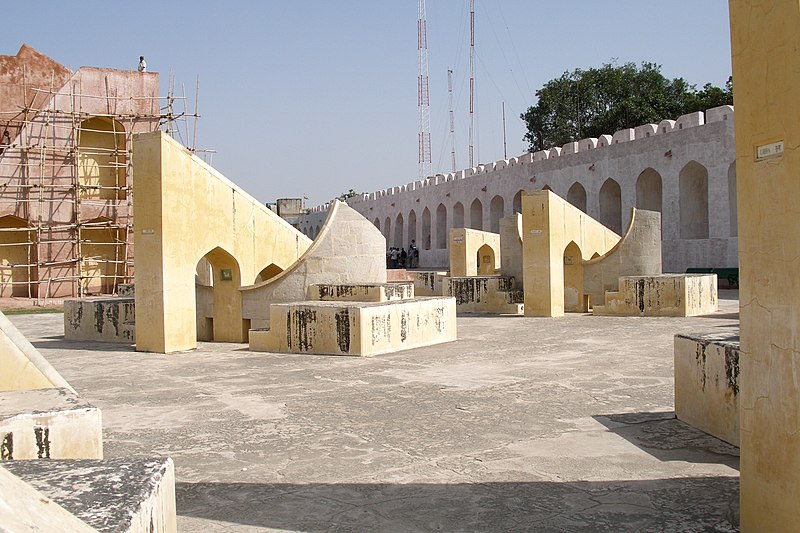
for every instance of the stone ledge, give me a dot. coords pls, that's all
(48, 424)
(119, 495)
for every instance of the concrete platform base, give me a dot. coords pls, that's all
(429, 282)
(664, 295)
(100, 319)
(356, 328)
(485, 294)
(361, 292)
(707, 383)
(125, 496)
(23, 508)
(48, 424)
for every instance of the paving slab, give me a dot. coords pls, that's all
(522, 424)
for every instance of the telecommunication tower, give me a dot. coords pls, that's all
(452, 118)
(471, 81)
(423, 98)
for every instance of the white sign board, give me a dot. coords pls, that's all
(767, 151)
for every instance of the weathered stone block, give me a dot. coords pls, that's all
(707, 383)
(664, 295)
(121, 495)
(356, 328)
(48, 424)
(100, 319)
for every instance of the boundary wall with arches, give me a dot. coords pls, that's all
(684, 169)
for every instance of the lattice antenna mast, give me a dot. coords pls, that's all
(452, 118)
(471, 81)
(423, 98)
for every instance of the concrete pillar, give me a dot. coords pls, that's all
(766, 67)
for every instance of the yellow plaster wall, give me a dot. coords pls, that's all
(22, 367)
(185, 209)
(464, 246)
(549, 224)
(766, 66)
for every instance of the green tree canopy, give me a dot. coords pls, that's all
(590, 103)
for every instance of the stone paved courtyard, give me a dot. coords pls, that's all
(523, 424)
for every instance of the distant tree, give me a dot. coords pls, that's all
(345, 195)
(589, 103)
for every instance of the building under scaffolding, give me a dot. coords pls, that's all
(66, 226)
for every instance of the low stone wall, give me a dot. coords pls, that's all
(100, 319)
(48, 424)
(361, 292)
(124, 495)
(485, 294)
(356, 328)
(707, 383)
(429, 283)
(664, 295)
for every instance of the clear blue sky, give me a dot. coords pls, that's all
(316, 97)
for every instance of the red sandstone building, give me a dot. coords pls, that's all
(66, 225)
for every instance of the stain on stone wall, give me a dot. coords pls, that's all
(7, 447)
(343, 330)
(42, 434)
(300, 326)
(732, 368)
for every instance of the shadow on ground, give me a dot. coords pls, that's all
(666, 438)
(680, 504)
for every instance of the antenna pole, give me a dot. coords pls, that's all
(423, 98)
(471, 81)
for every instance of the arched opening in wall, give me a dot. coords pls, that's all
(486, 259)
(269, 272)
(441, 227)
(18, 270)
(496, 212)
(387, 232)
(217, 298)
(573, 279)
(377, 223)
(426, 229)
(102, 159)
(734, 216)
(547, 188)
(577, 196)
(102, 251)
(476, 215)
(611, 205)
(398, 231)
(516, 203)
(649, 190)
(412, 227)
(316, 231)
(693, 185)
(458, 215)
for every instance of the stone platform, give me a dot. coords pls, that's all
(120, 495)
(663, 295)
(707, 383)
(48, 424)
(100, 319)
(485, 294)
(356, 328)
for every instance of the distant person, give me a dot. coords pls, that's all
(142, 64)
(393, 258)
(413, 254)
(403, 257)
